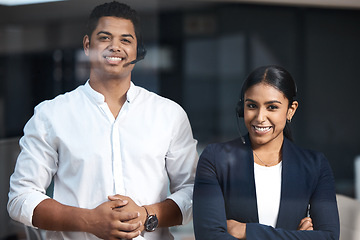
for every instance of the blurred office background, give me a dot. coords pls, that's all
(199, 53)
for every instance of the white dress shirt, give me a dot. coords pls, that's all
(143, 153)
(268, 192)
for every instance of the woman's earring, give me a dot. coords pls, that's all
(288, 120)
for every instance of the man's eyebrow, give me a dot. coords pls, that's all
(107, 33)
(103, 32)
(128, 35)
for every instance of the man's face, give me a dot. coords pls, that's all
(112, 47)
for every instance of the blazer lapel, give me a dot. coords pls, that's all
(241, 200)
(250, 202)
(291, 188)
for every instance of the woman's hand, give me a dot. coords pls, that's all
(306, 224)
(236, 229)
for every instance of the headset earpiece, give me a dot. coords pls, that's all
(141, 52)
(240, 114)
(240, 109)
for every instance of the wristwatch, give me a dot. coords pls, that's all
(151, 221)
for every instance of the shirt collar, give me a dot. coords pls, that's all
(132, 92)
(99, 98)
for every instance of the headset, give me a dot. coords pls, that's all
(141, 52)
(239, 111)
(240, 104)
(240, 108)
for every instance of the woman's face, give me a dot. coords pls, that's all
(266, 110)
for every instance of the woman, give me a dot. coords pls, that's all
(263, 186)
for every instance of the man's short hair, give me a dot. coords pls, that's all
(113, 9)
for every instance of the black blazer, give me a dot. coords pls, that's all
(225, 189)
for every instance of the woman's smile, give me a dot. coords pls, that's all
(261, 130)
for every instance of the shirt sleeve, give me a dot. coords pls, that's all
(181, 160)
(209, 206)
(35, 166)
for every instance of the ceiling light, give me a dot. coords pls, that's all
(24, 2)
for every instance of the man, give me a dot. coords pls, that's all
(113, 149)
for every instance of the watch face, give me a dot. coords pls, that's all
(151, 223)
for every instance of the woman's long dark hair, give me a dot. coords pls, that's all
(279, 78)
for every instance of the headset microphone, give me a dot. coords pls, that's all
(134, 61)
(141, 53)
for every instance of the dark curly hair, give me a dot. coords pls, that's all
(113, 9)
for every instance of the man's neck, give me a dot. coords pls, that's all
(114, 91)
